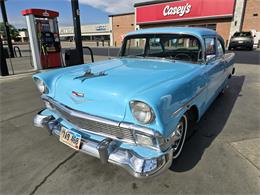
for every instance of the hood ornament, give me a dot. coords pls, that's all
(88, 74)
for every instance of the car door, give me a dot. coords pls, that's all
(214, 69)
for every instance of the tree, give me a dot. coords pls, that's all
(14, 33)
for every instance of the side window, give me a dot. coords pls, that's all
(210, 46)
(155, 46)
(220, 49)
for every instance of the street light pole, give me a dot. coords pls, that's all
(6, 28)
(77, 30)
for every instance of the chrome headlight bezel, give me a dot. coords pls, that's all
(41, 86)
(139, 108)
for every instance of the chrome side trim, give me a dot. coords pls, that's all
(187, 104)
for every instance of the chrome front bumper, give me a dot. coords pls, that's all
(108, 150)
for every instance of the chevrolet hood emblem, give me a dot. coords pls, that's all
(77, 94)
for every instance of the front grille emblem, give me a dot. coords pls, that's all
(77, 94)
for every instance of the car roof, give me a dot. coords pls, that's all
(198, 32)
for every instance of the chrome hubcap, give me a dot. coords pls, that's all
(178, 134)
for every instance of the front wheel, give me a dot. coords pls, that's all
(180, 136)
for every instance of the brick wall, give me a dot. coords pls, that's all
(121, 25)
(222, 25)
(223, 29)
(250, 21)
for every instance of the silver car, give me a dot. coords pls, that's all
(243, 40)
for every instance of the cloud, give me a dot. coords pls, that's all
(112, 6)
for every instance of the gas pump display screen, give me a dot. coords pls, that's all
(48, 42)
(48, 38)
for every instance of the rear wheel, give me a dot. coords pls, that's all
(180, 136)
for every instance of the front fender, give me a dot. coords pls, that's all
(169, 97)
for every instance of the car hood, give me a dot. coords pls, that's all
(105, 88)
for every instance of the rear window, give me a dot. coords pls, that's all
(242, 34)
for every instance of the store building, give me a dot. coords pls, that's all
(120, 25)
(224, 16)
(91, 32)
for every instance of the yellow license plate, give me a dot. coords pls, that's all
(70, 138)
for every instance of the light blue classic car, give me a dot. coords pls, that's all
(136, 110)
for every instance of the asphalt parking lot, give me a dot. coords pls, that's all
(222, 156)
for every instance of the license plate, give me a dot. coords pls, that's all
(240, 41)
(70, 138)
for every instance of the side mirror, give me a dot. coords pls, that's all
(210, 58)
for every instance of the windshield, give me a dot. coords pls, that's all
(242, 34)
(169, 46)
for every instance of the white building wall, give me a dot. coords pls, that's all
(236, 24)
(92, 29)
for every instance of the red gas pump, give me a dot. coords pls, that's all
(44, 38)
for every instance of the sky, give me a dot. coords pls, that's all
(91, 11)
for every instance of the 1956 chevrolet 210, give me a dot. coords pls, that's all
(137, 109)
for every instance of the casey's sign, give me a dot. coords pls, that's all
(177, 10)
(184, 10)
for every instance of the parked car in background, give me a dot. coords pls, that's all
(244, 40)
(136, 110)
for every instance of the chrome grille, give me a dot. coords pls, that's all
(94, 126)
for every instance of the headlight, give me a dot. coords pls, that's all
(41, 86)
(142, 112)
